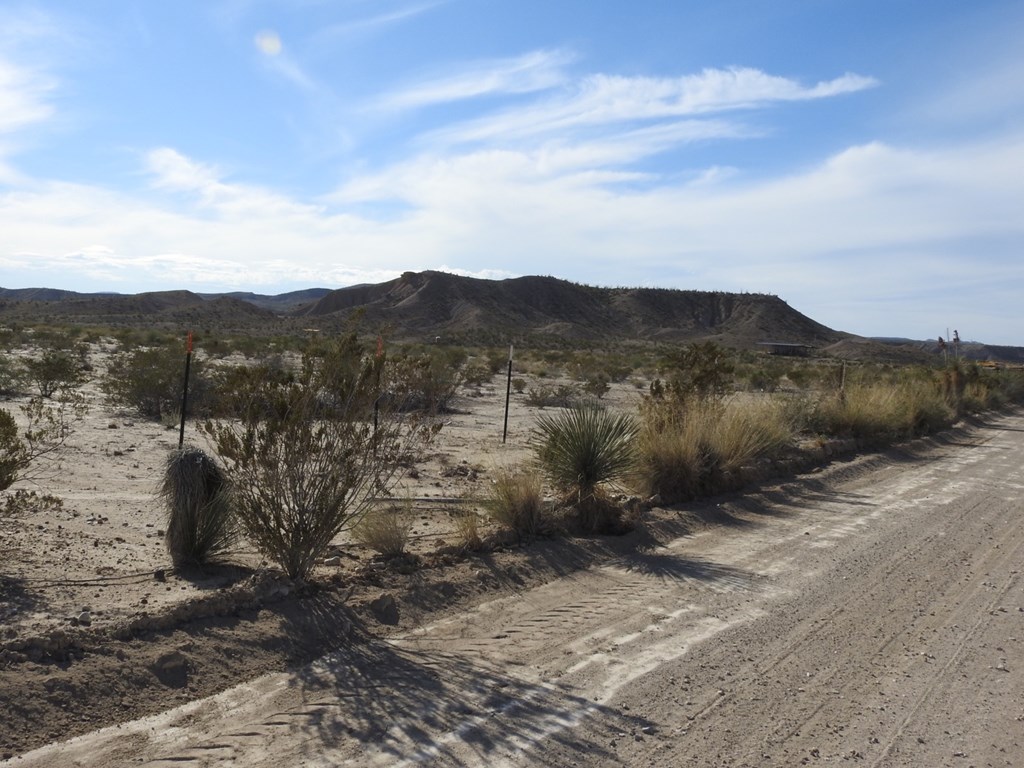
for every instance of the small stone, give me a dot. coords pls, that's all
(84, 618)
(160, 575)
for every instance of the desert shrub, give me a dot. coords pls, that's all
(11, 377)
(694, 450)
(582, 449)
(14, 455)
(305, 457)
(515, 501)
(697, 371)
(35, 453)
(385, 529)
(430, 381)
(24, 502)
(518, 385)
(228, 384)
(476, 374)
(149, 381)
(597, 384)
(54, 370)
(561, 396)
(200, 523)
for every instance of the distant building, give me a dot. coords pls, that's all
(786, 348)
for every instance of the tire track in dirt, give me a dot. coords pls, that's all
(823, 624)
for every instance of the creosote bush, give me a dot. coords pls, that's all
(149, 380)
(307, 456)
(201, 525)
(14, 455)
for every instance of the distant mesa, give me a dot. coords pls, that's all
(547, 311)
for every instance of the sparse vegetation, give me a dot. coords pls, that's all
(467, 529)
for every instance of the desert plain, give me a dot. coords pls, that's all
(861, 608)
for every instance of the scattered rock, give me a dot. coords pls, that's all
(385, 609)
(171, 669)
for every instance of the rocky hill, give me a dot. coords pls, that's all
(426, 306)
(430, 304)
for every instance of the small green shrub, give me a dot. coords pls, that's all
(429, 382)
(561, 396)
(201, 526)
(305, 456)
(12, 377)
(149, 381)
(54, 370)
(14, 456)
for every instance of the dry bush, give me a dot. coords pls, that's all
(881, 412)
(515, 501)
(695, 449)
(467, 529)
(35, 452)
(385, 530)
(200, 521)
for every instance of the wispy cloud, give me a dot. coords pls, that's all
(333, 32)
(534, 71)
(606, 99)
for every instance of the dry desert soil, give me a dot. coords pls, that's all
(866, 612)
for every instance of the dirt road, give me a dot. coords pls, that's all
(871, 614)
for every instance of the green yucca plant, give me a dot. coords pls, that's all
(200, 521)
(583, 448)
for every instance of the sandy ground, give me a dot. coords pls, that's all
(870, 613)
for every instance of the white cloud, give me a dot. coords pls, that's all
(366, 24)
(604, 99)
(534, 71)
(24, 97)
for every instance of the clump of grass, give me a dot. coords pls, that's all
(467, 529)
(880, 412)
(515, 501)
(201, 525)
(385, 530)
(696, 449)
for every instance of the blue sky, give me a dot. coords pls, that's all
(862, 160)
